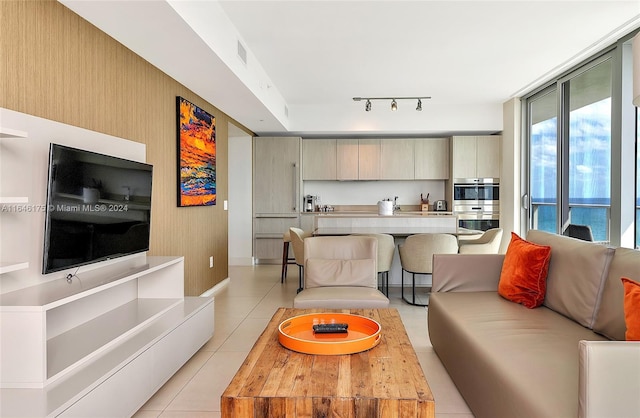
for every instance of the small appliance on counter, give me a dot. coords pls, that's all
(440, 205)
(310, 203)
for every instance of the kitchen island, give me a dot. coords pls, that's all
(400, 225)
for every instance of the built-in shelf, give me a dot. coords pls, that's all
(11, 200)
(12, 133)
(8, 267)
(103, 339)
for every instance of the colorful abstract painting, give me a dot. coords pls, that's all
(196, 155)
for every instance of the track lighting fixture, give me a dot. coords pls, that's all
(394, 103)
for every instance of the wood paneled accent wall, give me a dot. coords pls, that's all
(56, 65)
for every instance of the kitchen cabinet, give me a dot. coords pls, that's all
(431, 159)
(347, 159)
(397, 159)
(319, 159)
(368, 159)
(358, 159)
(476, 156)
(276, 193)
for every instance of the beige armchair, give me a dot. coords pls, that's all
(341, 273)
(298, 236)
(487, 243)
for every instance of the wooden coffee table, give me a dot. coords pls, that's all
(386, 381)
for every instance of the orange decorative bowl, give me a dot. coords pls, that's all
(297, 334)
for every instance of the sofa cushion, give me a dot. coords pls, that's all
(577, 272)
(524, 272)
(610, 315)
(631, 309)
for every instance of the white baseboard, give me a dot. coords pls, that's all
(215, 289)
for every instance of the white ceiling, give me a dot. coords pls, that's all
(306, 60)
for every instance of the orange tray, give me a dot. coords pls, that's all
(297, 334)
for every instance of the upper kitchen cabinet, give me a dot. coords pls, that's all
(358, 159)
(431, 159)
(347, 159)
(396, 159)
(319, 159)
(476, 156)
(369, 159)
(276, 174)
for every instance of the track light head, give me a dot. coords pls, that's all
(419, 107)
(394, 105)
(367, 106)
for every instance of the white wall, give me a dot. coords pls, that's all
(370, 192)
(511, 212)
(240, 199)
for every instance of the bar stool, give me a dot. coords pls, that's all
(286, 260)
(416, 256)
(386, 248)
(297, 240)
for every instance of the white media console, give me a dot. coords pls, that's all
(101, 343)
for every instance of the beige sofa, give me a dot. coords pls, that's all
(566, 358)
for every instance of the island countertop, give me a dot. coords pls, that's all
(398, 224)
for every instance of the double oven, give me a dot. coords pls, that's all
(477, 203)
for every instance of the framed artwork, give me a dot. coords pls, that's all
(196, 155)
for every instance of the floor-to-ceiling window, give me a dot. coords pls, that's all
(587, 176)
(582, 146)
(569, 130)
(544, 159)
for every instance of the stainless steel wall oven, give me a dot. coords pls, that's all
(477, 203)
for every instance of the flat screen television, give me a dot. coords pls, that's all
(98, 208)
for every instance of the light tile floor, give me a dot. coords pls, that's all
(242, 310)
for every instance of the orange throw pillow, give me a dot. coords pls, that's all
(524, 272)
(631, 309)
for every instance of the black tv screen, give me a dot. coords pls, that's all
(98, 208)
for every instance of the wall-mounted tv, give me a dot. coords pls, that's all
(98, 208)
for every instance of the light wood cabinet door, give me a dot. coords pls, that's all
(347, 159)
(396, 159)
(488, 156)
(431, 159)
(276, 175)
(464, 149)
(319, 159)
(369, 159)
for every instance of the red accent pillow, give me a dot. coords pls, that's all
(523, 278)
(631, 309)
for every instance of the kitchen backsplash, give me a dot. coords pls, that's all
(354, 193)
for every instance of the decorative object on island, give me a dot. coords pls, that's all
(196, 155)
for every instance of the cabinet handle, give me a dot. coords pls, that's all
(295, 183)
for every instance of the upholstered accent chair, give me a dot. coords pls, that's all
(386, 249)
(341, 273)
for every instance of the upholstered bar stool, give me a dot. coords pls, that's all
(297, 241)
(386, 248)
(286, 260)
(487, 243)
(416, 257)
